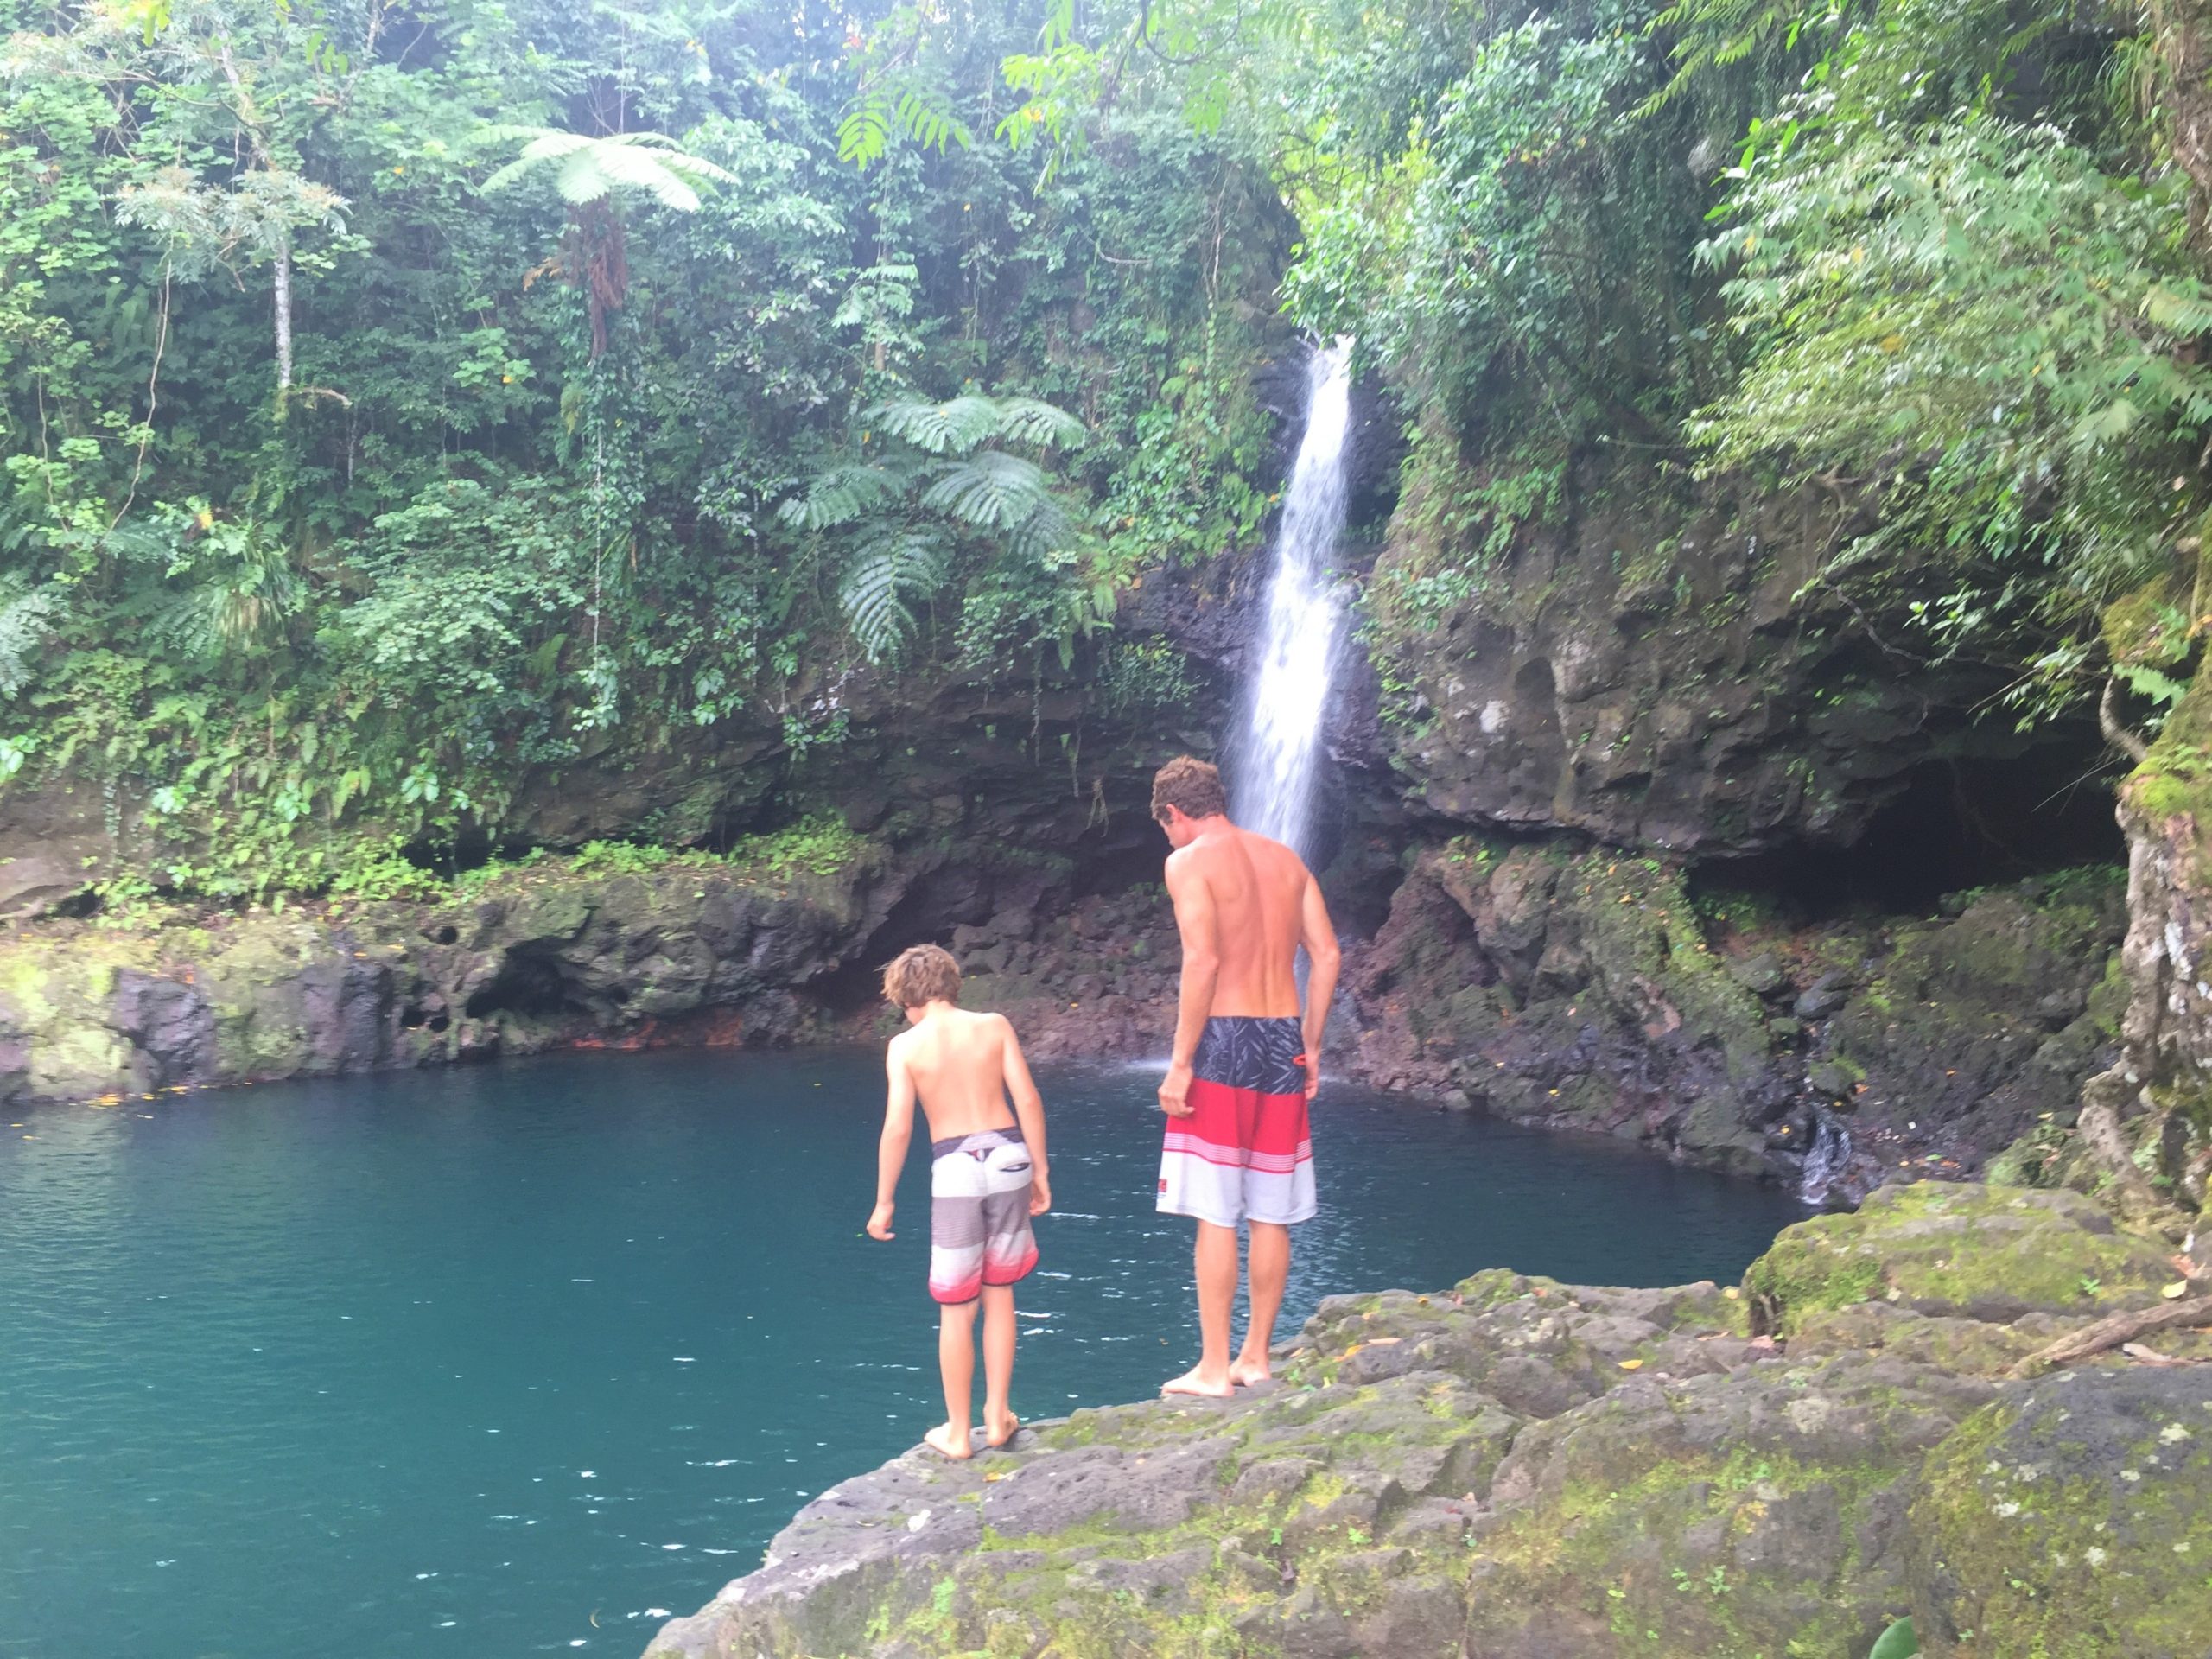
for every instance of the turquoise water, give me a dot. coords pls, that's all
(509, 1360)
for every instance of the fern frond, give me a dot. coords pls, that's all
(989, 490)
(1030, 420)
(839, 495)
(1047, 530)
(878, 584)
(586, 170)
(954, 426)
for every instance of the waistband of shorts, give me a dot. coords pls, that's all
(1253, 1022)
(952, 1143)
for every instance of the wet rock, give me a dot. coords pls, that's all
(1760, 974)
(1820, 1001)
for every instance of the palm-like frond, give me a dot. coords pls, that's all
(989, 490)
(878, 583)
(840, 495)
(1047, 530)
(958, 425)
(1030, 420)
(953, 426)
(588, 170)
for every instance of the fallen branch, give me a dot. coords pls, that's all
(2112, 1332)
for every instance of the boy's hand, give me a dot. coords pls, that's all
(1040, 1194)
(878, 1223)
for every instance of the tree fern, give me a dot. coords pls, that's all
(839, 496)
(933, 478)
(953, 426)
(879, 582)
(1030, 419)
(588, 170)
(990, 489)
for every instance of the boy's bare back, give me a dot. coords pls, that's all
(963, 1067)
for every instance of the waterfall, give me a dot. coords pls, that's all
(1825, 1158)
(1278, 751)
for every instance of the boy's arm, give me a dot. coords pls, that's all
(1194, 924)
(1320, 938)
(1029, 1112)
(898, 1131)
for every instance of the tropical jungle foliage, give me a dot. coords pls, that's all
(398, 399)
(395, 399)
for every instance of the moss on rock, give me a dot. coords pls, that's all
(2071, 1520)
(1986, 1253)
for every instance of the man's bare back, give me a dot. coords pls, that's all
(1256, 890)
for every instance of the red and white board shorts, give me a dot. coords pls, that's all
(979, 1213)
(1245, 1152)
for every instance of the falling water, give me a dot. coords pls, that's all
(1825, 1158)
(1279, 751)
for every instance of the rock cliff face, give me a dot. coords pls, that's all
(757, 948)
(1516, 1469)
(1659, 672)
(1596, 991)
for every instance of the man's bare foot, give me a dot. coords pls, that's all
(998, 1431)
(1245, 1372)
(952, 1442)
(1195, 1380)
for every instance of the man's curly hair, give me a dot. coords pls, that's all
(1190, 784)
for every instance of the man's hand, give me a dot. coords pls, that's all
(1312, 1063)
(1175, 1090)
(1040, 1194)
(879, 1223)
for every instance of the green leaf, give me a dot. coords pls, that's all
(1898, 1641)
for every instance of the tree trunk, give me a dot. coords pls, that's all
(2182, 31)
(282, 281)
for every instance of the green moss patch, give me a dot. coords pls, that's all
(1938, 1247)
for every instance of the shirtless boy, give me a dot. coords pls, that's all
(987, 1178)
(1242, 1069)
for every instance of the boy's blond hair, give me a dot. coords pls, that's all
(922, 974)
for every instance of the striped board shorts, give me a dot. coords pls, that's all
(979, 1213)
(1245, 1152)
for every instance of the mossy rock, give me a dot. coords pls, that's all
(1957, 1250)
(2072, 1520)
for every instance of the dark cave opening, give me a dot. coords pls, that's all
(527, 984)
(1957, 824)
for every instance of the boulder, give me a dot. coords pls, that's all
(2072, 1517)
(1937, 1247)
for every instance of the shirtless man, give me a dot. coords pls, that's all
(1243, 1069)
(987, 1178)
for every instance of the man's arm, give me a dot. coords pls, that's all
(1029, 1112)
(1195, 924)
(898, 1131)
(1319, 939)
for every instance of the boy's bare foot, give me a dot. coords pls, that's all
(952, 1442)
(997, 1432)
(1245, 1372)
(1195, 1380)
